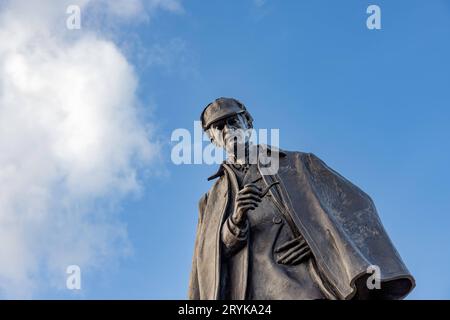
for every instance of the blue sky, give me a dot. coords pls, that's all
(373, 104)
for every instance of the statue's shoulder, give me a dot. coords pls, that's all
(270, 150)
(291, 155)
(308, 160)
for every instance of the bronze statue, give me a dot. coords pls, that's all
(303, 232)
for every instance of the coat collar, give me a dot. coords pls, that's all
(220, 172)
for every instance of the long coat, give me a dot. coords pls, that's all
(338, 221)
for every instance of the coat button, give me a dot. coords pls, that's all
(277, 220)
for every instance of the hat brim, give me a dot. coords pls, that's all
(222, 116)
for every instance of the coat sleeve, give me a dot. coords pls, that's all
(194, 289)
(233, 236)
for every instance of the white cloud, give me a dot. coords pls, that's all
(71, 142)
(259, 3)
(111, 12)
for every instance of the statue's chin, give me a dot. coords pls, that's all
(241, 151)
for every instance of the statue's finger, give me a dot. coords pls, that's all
(251, 185)
(289, 252)
(244, 192)
(301, 257)
(248, 196)
(289, 244)
(286, 245)
(250, 188)
(248, 207)
(242, 203)
(294, 255)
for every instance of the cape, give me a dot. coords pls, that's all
(337, 219)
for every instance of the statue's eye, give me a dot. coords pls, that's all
(218, 125)
(233, 121)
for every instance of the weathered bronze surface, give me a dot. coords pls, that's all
(315, 235)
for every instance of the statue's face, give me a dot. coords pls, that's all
(230, 133)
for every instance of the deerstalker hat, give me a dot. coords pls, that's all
(219, 109)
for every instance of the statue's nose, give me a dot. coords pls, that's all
(227, 128)
(225, 133)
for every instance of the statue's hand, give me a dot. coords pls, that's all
(247, 199)
(293, 252)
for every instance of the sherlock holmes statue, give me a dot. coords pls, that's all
(300, 232)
